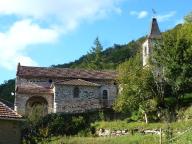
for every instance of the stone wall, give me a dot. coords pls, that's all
(10, 132)
(112, 93)
(107, 132)
(40, 81)
(21, 100)
(146, 52)
(89, 99)
(63, 101)
(109, 85)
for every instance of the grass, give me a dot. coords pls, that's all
(115, 125)
(184, 139)
(135, 139)
(129, 139)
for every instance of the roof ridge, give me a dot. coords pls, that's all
(69, 68)
(69, 82)
(86, 81)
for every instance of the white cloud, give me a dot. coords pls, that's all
(139, 15)
(142, 14)
(68, 12)
(166, 17)
(61, 17)
(15, 41)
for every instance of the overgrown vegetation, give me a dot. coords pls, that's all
(139, 90)
(38, 128)
(170, 131)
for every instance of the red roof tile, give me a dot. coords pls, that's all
(25, 71)
(8, 113)
(78, 82)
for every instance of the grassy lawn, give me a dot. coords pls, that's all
(184, 139)
(135, 139)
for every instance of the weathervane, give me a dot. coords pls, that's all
(154, 12)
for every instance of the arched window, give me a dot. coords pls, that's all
(76, 92)
(105, 94)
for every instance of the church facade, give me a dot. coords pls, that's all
(71, 90)
(64, 90)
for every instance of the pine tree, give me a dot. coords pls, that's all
(95, 59)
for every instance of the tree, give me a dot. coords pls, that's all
(6, 90)
(174, 55)
(36, 113)
(94, 57)
(137, 88)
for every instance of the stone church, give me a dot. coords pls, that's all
(71, 90)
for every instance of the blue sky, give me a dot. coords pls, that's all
(47, 32)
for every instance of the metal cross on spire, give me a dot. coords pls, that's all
(154, 12)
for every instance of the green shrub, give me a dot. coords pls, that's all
(59, 124)
(62, 124)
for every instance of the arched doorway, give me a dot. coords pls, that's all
(36, 105)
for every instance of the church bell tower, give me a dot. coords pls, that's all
(153, 36)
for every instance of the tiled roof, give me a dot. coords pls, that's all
(26, 71)
(78, 82)
(154, 30)
(34, 89)
(8, 113)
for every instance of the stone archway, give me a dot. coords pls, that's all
(36, 105)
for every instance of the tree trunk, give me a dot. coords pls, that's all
(146, 118)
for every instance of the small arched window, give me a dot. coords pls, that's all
(76, 92)
(105, 94)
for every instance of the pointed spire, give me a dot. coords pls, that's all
(154, 30)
